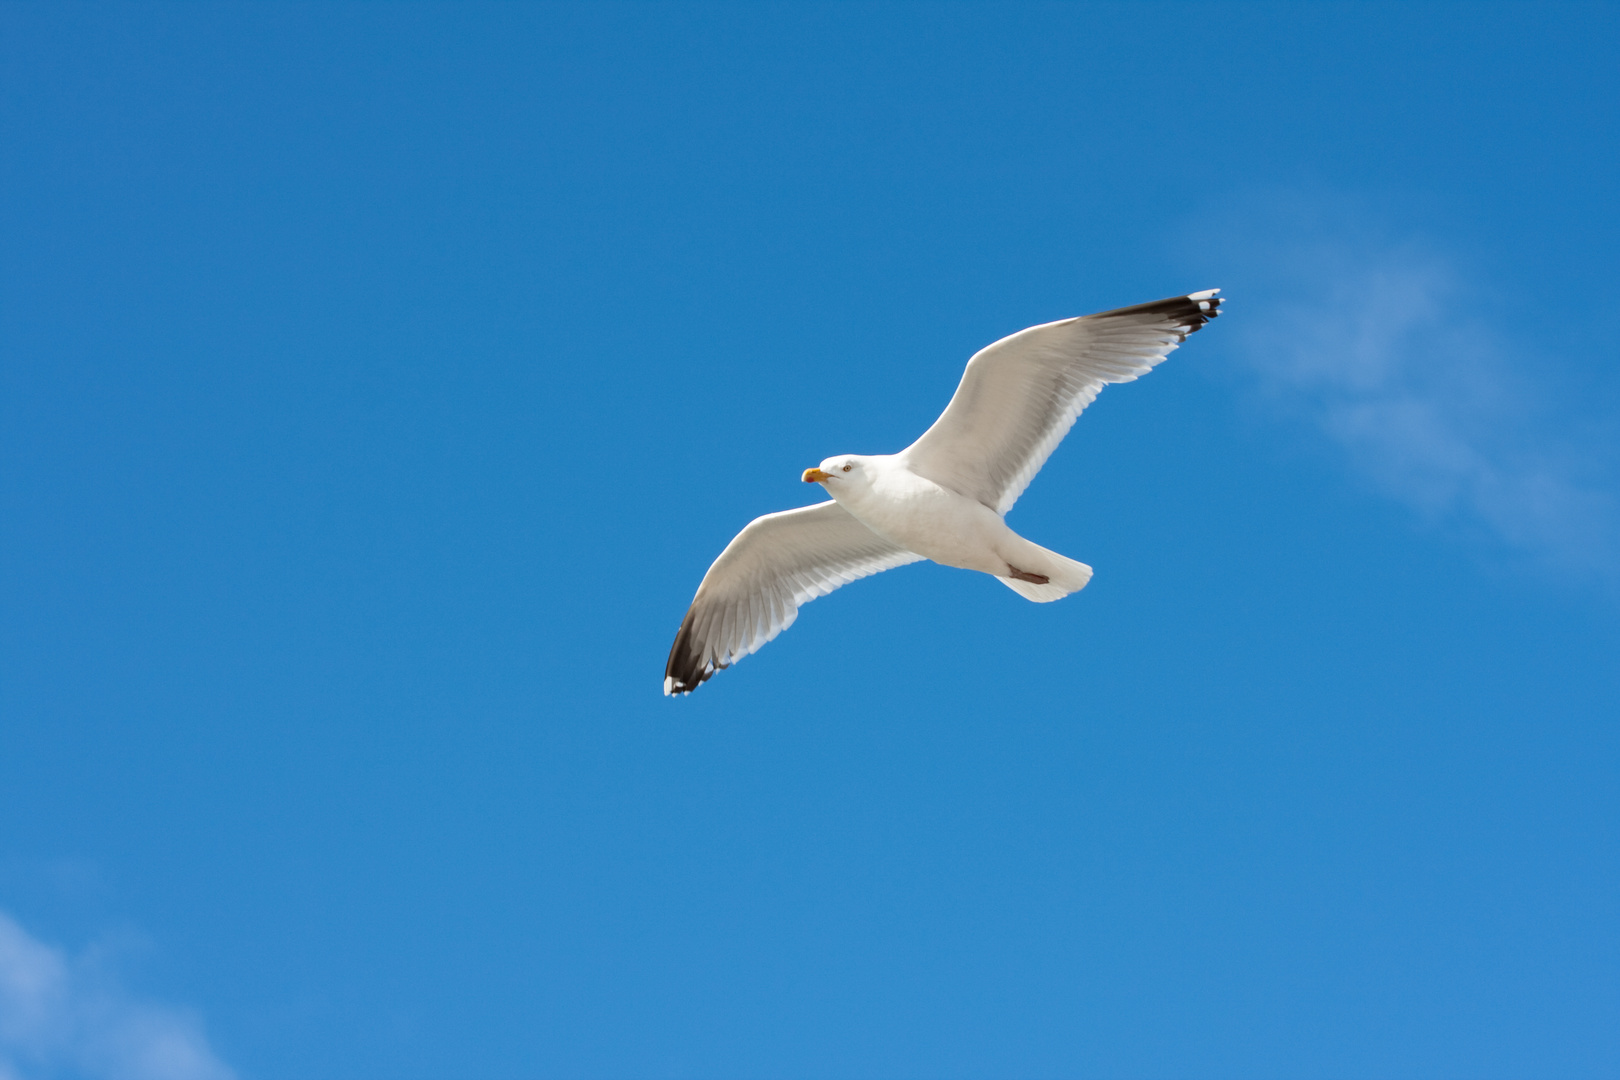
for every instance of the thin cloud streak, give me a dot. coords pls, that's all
(1407, 371)
(61, 1016)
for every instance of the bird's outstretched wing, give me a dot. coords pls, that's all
(754, 589)
(1020, 396)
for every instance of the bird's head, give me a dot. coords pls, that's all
(842, 471)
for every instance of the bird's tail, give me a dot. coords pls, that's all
(1063, 575)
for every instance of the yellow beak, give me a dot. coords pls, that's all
(815, 476)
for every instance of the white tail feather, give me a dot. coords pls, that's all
(1064, 575)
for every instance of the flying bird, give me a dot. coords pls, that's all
(941, 498)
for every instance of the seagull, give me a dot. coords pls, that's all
(941, 498)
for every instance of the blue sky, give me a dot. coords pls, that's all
(377, 382)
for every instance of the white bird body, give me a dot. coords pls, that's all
(915, 513)
(943, 497)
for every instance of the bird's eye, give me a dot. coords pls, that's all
(848, 465)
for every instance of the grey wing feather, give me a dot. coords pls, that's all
(1021, 395)
(755, 588)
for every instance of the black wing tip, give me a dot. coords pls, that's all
(1188, 313)
(686, 669)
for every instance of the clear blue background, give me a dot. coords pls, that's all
(377, 382)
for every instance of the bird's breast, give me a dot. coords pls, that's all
(931, 520)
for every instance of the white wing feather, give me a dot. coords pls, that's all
(1021, 395)
(754, 589)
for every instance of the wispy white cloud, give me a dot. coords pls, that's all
(1419, 379)
(62, 1016)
